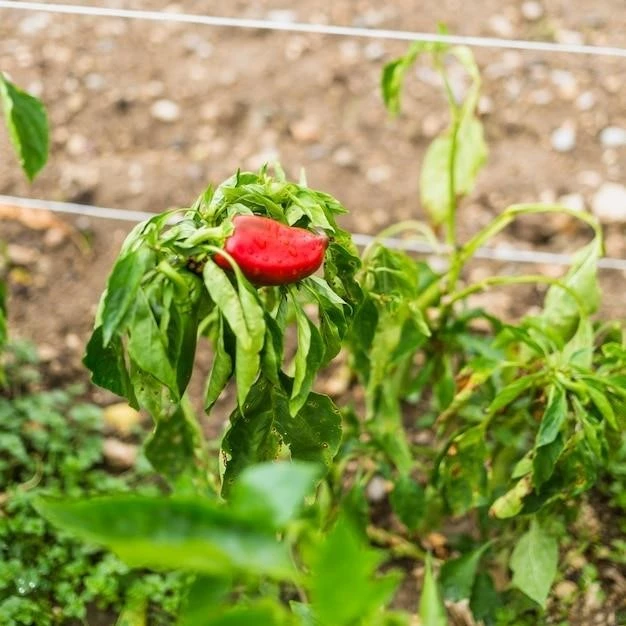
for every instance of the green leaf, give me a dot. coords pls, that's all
(512, 502)
(122, 288)
(393, 74)
(252, 437)
(147, 345)
(27, 123)
(408, 500)
(108, 367)
(463, 477)
(432, 609)
(603, 405)
(204, 597)
(470, 156)
(247, 368)
(272, 354)
(553, 417)
(228, 302)
(175, 450)
(343, 557)
(221, 370)
(273, 492)
(545, 460)
(534, 563)
(508, 394)
(314, 433)
(457, 576)
(307, 361)
(561, 313)
(485, 599)
(195, 535)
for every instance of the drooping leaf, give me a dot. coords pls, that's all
(175, 449)
(470, 156)
(534, 563)
(147, 345)
(485, 600)
(314, 433)
(122, 287)
(561, 312)
(195, 535)
(392, 78)
(108, 367)
(553, 417)
(252, 437)
(27, 123)
(221, 369)
(308, 359)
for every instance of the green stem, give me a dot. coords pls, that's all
(165, 268)
(494, 281)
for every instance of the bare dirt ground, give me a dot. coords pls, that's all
(144, 115)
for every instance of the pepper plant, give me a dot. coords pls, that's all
(521, 418)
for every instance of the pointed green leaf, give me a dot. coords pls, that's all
(27, 123)
(534, 563)
(432, 609)
(457, 576)
(122, 287)
(195, 534)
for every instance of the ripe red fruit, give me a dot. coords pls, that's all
(271, 253)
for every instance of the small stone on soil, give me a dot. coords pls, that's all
(165, 111)
(609, 203)
(613, 137)
(564, 138)
(118, 454)
(532, 11)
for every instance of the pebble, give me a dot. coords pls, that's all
(198, 45)
(94, 82)
(21, 255)
(565, 589)
(53, 238)
(296, 46)
(501, 26)
(573, 201)
(570, 37)
(378, 174)
(73, 342)
(165, 111)
(563, 139)
(77, 145)
(432, 125)
(377, 489)
(613, 137)
(34, 23)
(541, 96)
(374, 51)
(609, 203)
(565, 82)
(119, 454)
(344, 157)
(47, 353)
(485, 105)
(532, 11)
(121, 417)
(306, 130)
(585, 101)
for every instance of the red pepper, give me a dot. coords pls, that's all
(271, 253)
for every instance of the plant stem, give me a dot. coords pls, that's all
(397, 545)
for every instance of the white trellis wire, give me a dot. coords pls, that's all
(319, 29)
(505, 255)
